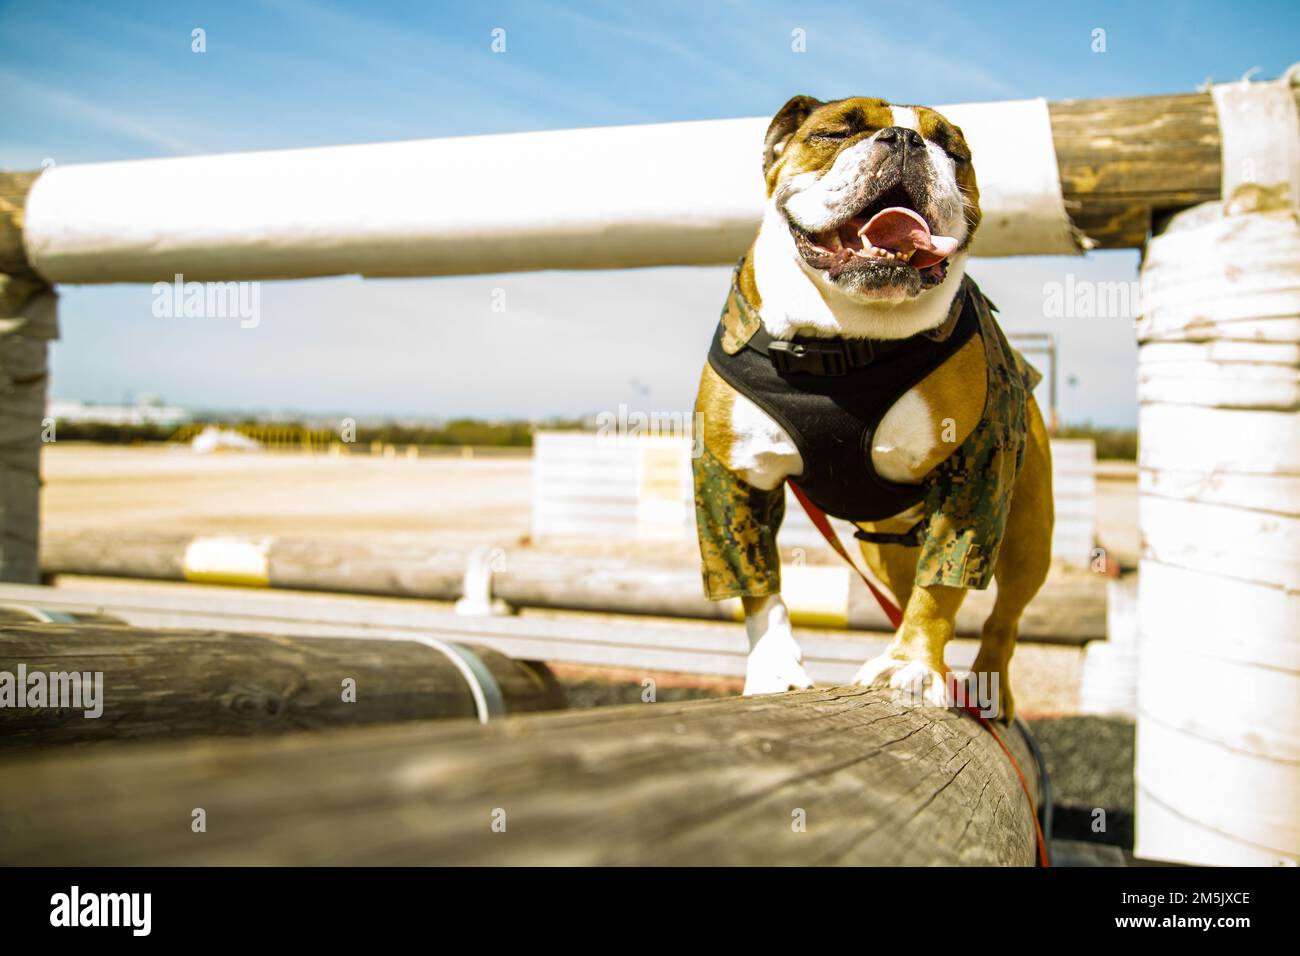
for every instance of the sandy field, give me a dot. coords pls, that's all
(460, 501)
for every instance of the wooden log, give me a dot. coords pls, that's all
(837, 776)
(642, 645)
(1070, 609)
(1124, 159)
(158, 683)
(28, 322)
(14, 187)
(637, 643)
(1121, 162)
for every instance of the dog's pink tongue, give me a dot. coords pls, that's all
(901, 230)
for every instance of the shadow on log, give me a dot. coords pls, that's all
(825, 776)
(183, 683)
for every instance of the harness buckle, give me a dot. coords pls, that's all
(809, 357)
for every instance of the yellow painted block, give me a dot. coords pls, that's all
(816, 596)
(238, 561)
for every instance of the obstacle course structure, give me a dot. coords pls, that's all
(1055, 179)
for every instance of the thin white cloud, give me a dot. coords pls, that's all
(853, 53)
(51, 99)
(641, 34)
(459, 73)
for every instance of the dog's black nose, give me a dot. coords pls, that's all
(900, 135)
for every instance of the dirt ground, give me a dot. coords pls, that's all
(460, 501)
(1117, 511)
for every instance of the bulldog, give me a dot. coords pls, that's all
(857, 359)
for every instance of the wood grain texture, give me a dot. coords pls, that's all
(707, 782)
(14, 187)
(1123, 160)
(161, 683)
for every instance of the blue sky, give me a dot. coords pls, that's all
(85, 82)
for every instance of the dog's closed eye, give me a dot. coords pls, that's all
(831, 134)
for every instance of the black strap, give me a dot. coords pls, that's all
(829, 395)
(815, 356)
(908, 539)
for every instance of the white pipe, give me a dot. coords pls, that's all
(615, 197)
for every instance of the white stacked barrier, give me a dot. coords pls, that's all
(639, 488)
(1218, 746)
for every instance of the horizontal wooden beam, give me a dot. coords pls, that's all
(667, 194)
(639, 643)
(1071, 608)
(837, 776)
(14, 187)
(146, 683)
(1123, 160)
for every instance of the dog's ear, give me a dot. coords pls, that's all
(784, 124)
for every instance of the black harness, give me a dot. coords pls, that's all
(830, 395)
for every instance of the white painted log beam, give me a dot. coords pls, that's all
(616, 197)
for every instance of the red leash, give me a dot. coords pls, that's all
(823, 524)
(1043, 858)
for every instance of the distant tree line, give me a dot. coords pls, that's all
(1112, 443)
(109, 434)
(457, 432)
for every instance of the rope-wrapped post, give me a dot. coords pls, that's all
(828, 776)
(1218, 743)
(84, 683)
(28, 322)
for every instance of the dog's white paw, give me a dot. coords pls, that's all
(775, 666)
(913, 682)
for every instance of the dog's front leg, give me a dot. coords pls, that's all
(913, 663)
(775, 661)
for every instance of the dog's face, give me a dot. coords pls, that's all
(877, 198)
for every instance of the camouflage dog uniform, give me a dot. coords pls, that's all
(966, 498)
